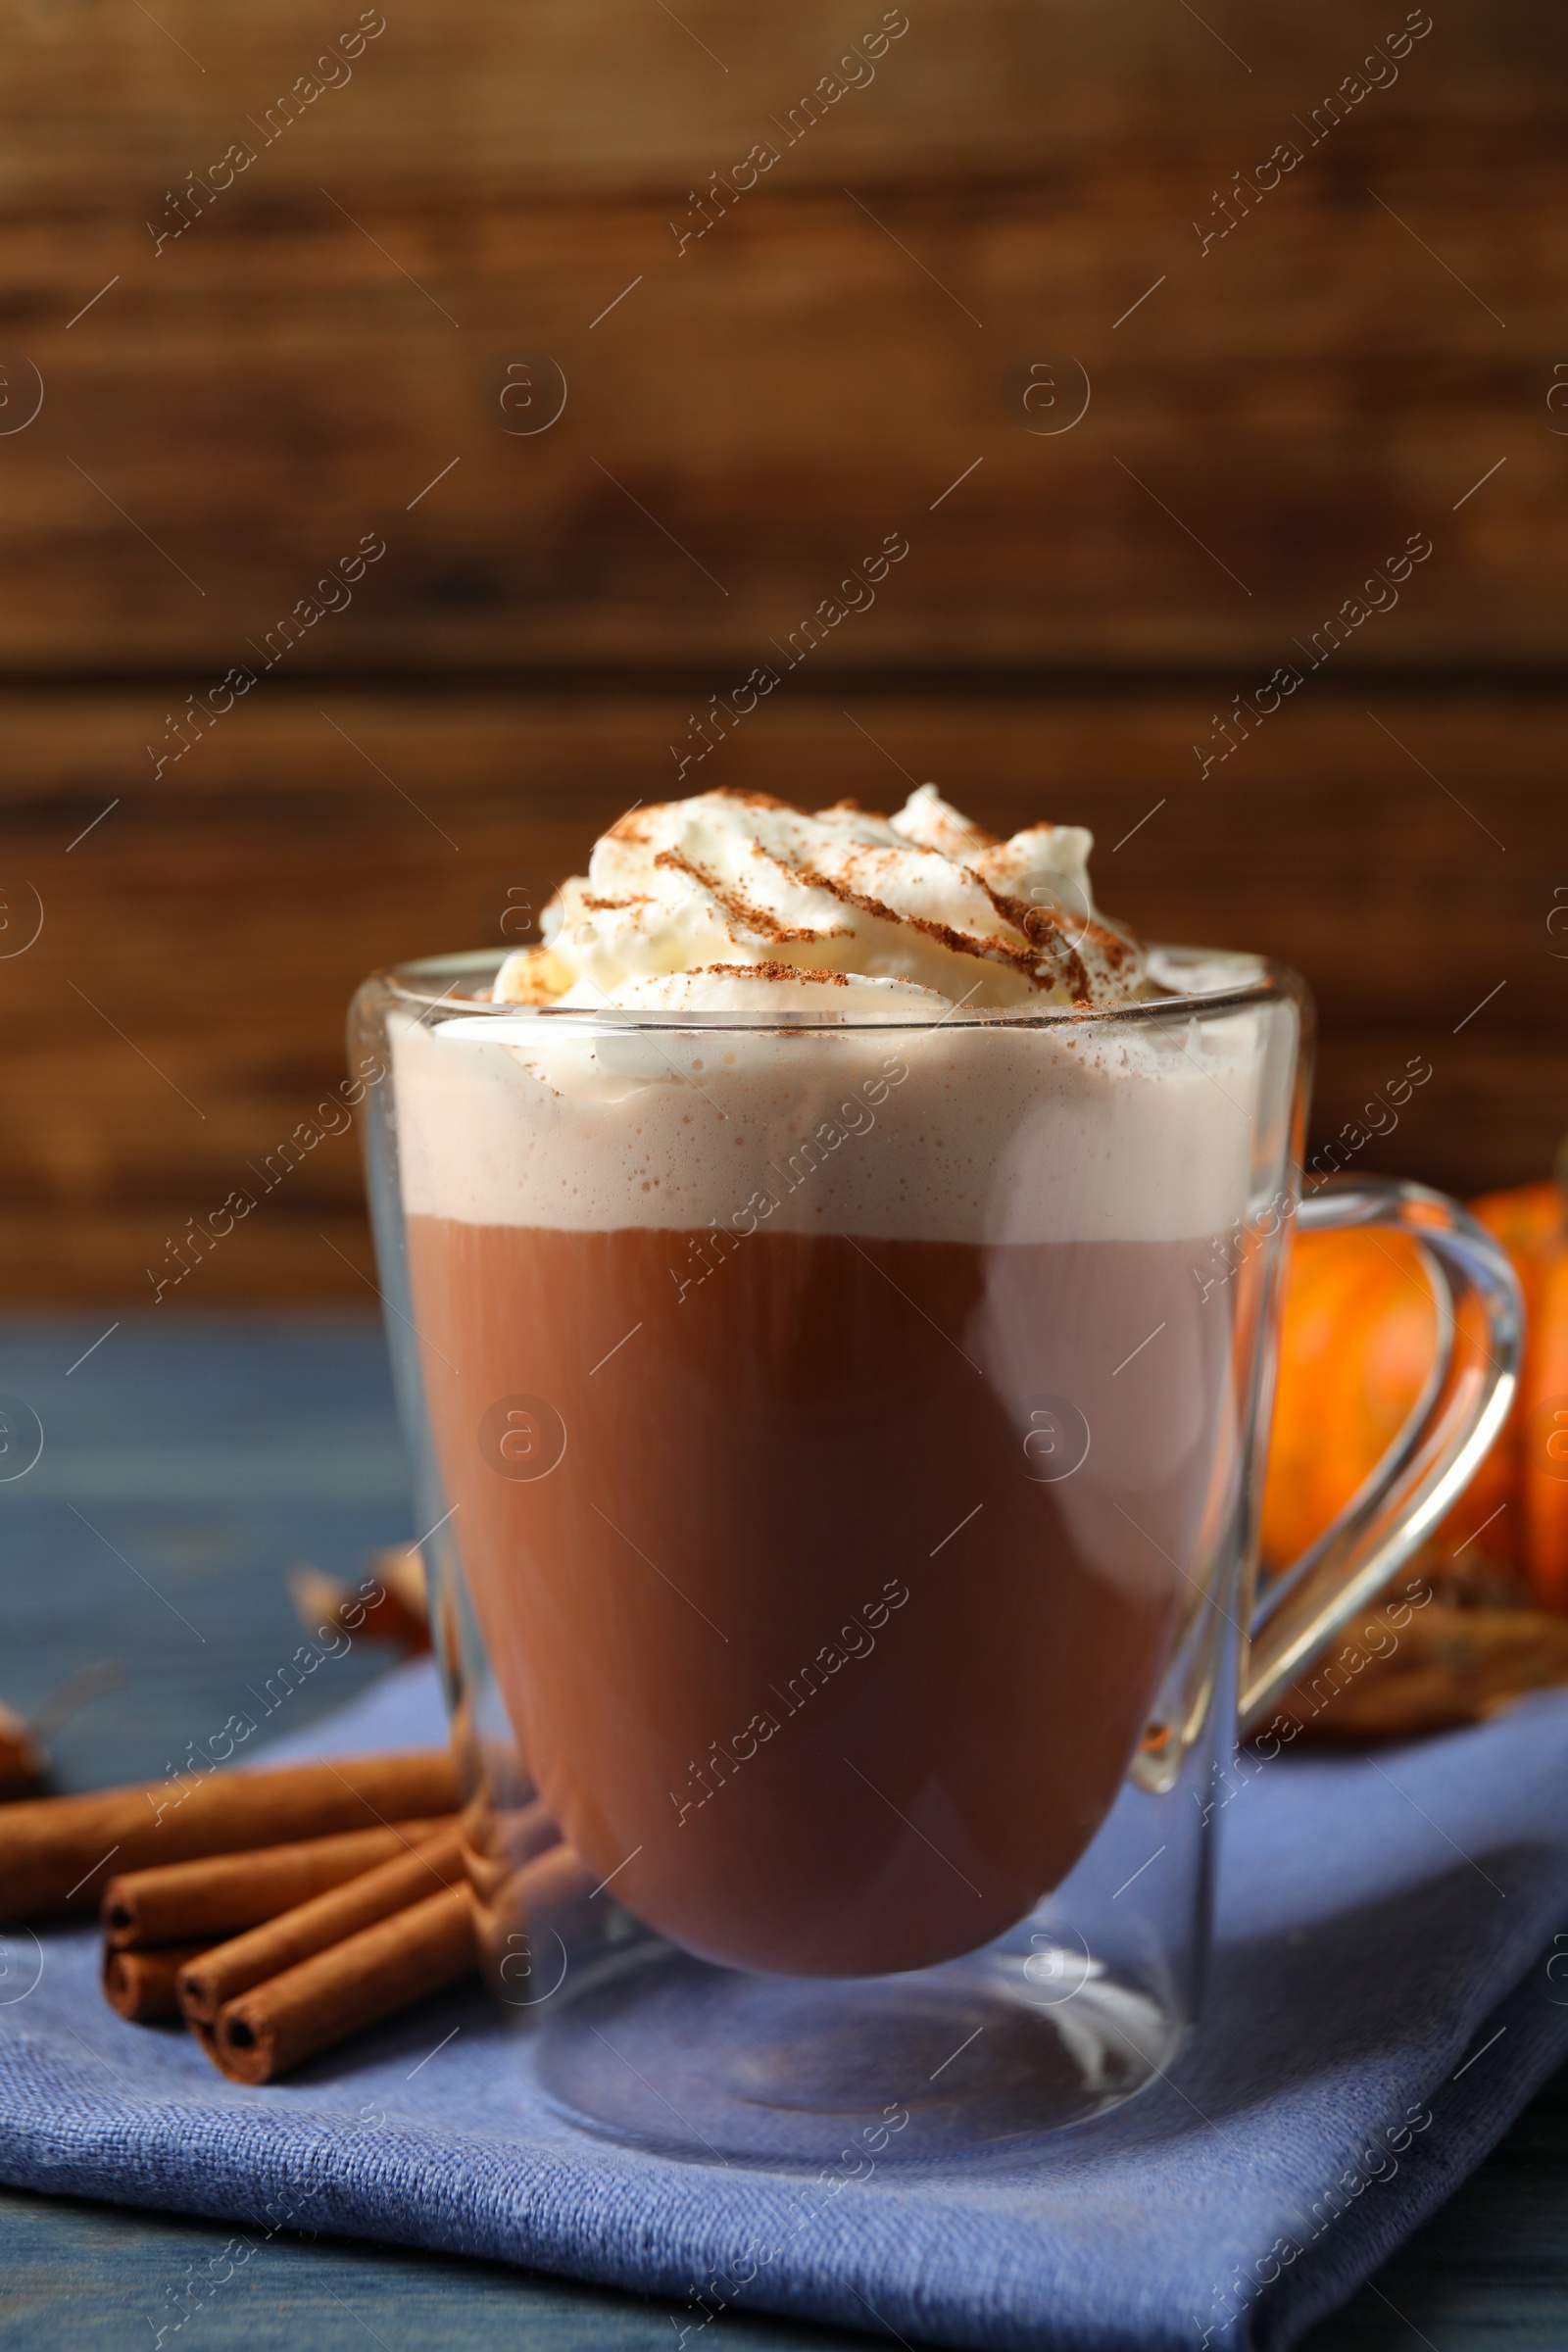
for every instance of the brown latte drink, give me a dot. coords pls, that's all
(827, 1374)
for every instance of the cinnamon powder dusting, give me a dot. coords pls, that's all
(777, 971)
(741, 909)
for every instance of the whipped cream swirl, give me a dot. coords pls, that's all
(732, 901)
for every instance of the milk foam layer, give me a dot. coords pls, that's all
(641, 1090)
(735, 891)
(977, 1133)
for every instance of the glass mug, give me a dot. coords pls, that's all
(842, 1443)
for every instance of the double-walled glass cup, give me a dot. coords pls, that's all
(841, 1441)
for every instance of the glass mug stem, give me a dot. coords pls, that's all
(1433, 1458)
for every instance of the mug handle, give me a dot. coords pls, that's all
(1434, 1457)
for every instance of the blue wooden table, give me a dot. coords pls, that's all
(184, 1469)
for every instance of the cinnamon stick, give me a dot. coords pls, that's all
(536, 1921)
(205, 1983)
(498, 1843)
(351, 1984)
(57, 1853)
(178, 1902)
(22, 1760)
(306, 2009)
(1449, 1666)
(140, 1985)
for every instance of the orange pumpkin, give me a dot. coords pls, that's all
(1529, 1222)
(1357, 1345)
(1543, 1440)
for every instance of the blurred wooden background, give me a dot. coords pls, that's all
(322, 354)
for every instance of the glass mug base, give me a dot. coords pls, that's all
(1078, 2007)
(972, 2061)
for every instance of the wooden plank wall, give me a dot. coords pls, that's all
(623, 353)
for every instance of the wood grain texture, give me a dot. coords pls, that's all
(181, 1010)
(328, 332)
(578, 95)
(761, 382)
(753, 418)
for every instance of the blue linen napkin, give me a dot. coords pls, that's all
(1383, 2002)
